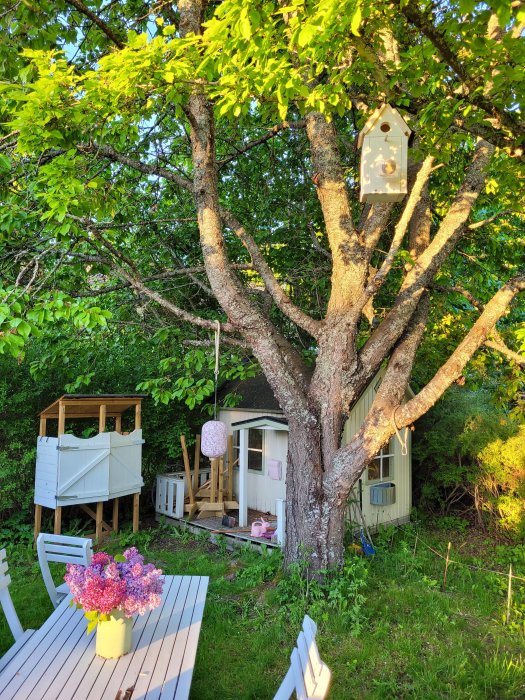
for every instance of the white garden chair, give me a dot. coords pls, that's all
(64, 549)
(16, 628)
(308, 676)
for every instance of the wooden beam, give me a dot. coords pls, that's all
(118, 424)
(114, 520)
(58, 520)
(105, 526)
(38, 520)
(230, 468)
(220, 480)
(102, 418)
(138, 417)
(196, 462)
(98, 520)
(61, 418)
(243, 469)
(136, 512)
(187, 469)
(213, 490)
(43, 427)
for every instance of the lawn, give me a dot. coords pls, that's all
(385, 627)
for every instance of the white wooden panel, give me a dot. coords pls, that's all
(46, 471)
(125, 463)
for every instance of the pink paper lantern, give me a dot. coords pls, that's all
(214, 439)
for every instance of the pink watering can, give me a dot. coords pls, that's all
(259, 528)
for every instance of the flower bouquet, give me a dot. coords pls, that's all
(111, 590)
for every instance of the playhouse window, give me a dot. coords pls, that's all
(381, 468)
(255, 448)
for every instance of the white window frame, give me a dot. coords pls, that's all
(236, 449)
(384, 452)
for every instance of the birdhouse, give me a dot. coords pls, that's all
(384, 143)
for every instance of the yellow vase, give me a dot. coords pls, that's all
(114, 635)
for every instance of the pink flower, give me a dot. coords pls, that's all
(106, 584)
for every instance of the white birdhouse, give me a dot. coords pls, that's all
(384, 143)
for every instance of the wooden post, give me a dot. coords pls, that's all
(280, 510)
(230, 468)
(114, 521)
(98, 520)
(136, 499)
(220, 485)
(58, 520)
(196, 462)
(509, 596)
(138, 417)
(118, 424)
(243, 469)
(187, 469)
(61, 418)
(415, 545)
(446, 568)
(213, 489)
(43, 427)
(38, 520)
(102, 418)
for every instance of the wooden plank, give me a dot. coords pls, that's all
(118, 424)
(128, 673)
(24, 662)
(38, 520)
(102, 418)
(196, 462)
(230, 468)
(187, 470)
(138, 416)
(220, 480)
(213, 484)
(190, 651)
(98, 520)
(58, 520)
(136, 511)
(61, 418)
(114, 520)
(159, 661)
(43, 427)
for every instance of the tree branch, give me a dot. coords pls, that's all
(78, 5)
(473, 86)
(454, 366)
(429, 262)
(272, 132)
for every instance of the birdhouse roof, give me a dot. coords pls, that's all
(387, 113)
(88, 405)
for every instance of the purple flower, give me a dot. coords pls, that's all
(105, 585)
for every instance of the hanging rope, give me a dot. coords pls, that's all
(402, 441)
(217, 346)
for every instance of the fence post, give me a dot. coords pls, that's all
(446, 568)
(509, 595)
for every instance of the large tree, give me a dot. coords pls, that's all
(132, 130)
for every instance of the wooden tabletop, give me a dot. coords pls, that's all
(59, 662)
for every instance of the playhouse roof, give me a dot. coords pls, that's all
(88, 405)
(255, 393)
(387, 112)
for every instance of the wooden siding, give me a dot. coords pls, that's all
(262, 491)
(71, 470)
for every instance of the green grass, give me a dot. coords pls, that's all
(406, 639)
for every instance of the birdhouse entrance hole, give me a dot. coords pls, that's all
(385, 127)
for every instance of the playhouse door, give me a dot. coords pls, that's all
(83, 469)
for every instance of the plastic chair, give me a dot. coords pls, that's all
(20, 635)
(308, 676)
(64, 549)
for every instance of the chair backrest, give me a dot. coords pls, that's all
(5, 599)
(64, 549)
(308, 676)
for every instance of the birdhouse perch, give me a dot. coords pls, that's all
(384, 143)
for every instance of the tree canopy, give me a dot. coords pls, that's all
(171, 165)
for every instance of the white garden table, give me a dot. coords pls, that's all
(59, 662)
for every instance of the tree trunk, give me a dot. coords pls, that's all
(315, 520)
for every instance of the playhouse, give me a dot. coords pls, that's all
(106, 466)
(260, 443)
